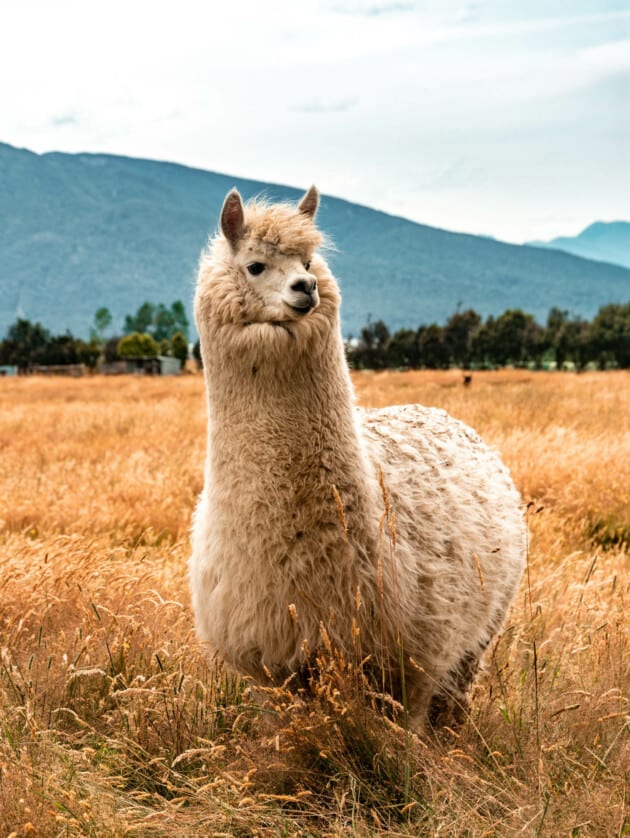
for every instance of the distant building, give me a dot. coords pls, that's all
(161, 365)
(169, 365)
(73, 370)
(111, 368)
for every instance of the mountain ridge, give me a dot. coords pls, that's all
(607, 241)
(79, 231)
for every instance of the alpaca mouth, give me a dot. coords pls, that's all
(303, 309)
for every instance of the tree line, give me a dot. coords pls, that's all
(153, 330)
(465, 340)
(512, 338)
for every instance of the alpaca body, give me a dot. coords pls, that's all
(274, 556)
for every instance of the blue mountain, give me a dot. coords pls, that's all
(80, 231)
(605, 240)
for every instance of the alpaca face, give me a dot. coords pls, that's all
(276, 286)
(271, 251)
(263, 268)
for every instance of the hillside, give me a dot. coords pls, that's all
(609, 241)
(78, 231)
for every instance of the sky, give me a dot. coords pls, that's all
(509, 119)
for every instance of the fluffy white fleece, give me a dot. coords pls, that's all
(286, 445)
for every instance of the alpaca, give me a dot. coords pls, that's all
(288, 535)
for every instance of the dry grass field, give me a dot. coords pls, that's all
(113, 723)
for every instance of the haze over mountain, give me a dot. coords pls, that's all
(605, 240)
(80, 231)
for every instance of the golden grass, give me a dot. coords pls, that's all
(113, 723)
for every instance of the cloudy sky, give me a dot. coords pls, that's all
(510, 119)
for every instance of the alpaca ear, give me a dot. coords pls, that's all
(309, 203)
(232, 218)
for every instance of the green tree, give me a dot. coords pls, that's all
(508, 343)
(180, 321)
(110, 350)
(137, 345)
(89, 353)
(163, 323)
(59, 350)
(142, 321)
(25, 344)
(159, 321)
(482, 344)
(569, 338)
(578, 342)
(556, 334)
(433, 351)
(371, 351)
(102, 322)
(179, 346)
(402, 350)
(535, 342)
(375, 336)
(611, 335)
(459, 332)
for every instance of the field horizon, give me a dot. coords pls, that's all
(115, 722)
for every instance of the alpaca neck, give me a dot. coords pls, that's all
(284, 434)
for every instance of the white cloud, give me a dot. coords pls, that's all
(367, 9)
(326, 105)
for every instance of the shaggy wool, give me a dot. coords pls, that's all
(398, 531)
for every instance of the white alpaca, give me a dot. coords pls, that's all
(286, 446)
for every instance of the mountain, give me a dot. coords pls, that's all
(80, 231)
(608, 241)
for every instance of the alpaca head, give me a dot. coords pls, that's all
(272, 248)
(263, 266)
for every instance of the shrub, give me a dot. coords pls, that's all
(179, 347)
(137, 345)
(88, 353)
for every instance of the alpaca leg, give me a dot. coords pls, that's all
(419, 689)
(450, 704)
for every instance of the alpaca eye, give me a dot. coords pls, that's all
(256, 268)
(307, 265)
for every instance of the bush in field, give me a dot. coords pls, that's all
(179, 347)
(138, 345)
(88, 353)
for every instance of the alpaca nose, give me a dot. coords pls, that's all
(305, 285)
